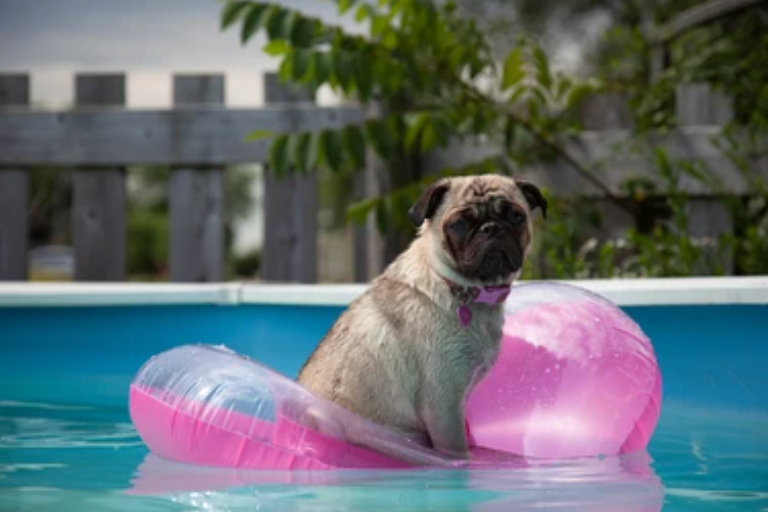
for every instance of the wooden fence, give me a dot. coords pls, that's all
(199, 136)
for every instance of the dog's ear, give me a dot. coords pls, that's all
(533, 196)
(429, 202)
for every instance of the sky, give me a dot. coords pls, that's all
(149, 40)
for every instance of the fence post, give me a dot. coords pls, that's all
(659, 61)
(370, 245)
(99, 203)
(374, 250)
(197, 197)
(608, 111)
(290, 209)
(14, 193)
(697, 104)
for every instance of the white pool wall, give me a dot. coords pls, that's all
(624, 292)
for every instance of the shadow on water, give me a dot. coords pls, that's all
(617, 484)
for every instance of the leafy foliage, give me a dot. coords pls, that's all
(431, 70)
(438, 79)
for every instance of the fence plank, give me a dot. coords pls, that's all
(369, 245)
(697, 104)
(99, 202)
(14, 193)
(190, 136)
(14, 242)
(606, 111)
(290, 207)
(197, 197)
(360, 234)
(14, 90)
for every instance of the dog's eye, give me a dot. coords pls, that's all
(501, 207)
(459, 227)
(518, 217)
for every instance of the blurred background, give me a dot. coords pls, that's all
(643, 121)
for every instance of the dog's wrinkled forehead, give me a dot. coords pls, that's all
(449, 195)
(482, 189)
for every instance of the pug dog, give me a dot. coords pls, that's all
(407, 352)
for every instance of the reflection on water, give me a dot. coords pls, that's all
(57, 457)
(616, 484)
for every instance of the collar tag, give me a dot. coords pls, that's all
(477, 295)
(464, 314)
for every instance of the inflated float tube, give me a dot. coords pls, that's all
(576, 377)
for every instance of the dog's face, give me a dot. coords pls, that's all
(480, 226)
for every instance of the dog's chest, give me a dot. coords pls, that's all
(473, 347)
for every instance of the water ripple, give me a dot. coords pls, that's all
(24, 432)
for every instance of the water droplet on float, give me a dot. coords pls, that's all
(546, 371)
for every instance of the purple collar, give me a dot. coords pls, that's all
(477, 295)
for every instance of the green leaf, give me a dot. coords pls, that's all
(476, 66)
(543, 74)
(578, 92)
(345, 5)
(285, 71)
(232, 12)
(302, 32)
(428, 137)
(276, 47)
(320, 67)
(390, 40)
(514, 70)
(379, 25)
(303, 155)
(301, 64)
(259, 135)
(415, 129)
(276, 23)
(358, 212)
(253, 20)
(382, 215)
(331, 150)
(362, 77)
(456, 55)
(439, 134)
(342, 69)
(380, 137)
(562, 87)
(278, 155)
(354, 145)
(509, 133)
(363, 12)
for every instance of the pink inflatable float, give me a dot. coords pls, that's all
(576, 377)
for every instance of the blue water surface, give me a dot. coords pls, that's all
(66, 441)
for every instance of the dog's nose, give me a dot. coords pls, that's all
(489, 228)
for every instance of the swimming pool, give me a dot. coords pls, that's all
(68, 353)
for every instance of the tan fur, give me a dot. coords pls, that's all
(398, 355)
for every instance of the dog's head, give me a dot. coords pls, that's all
(480, 227)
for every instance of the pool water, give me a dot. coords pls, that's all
(59, 457)
(67, 443)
